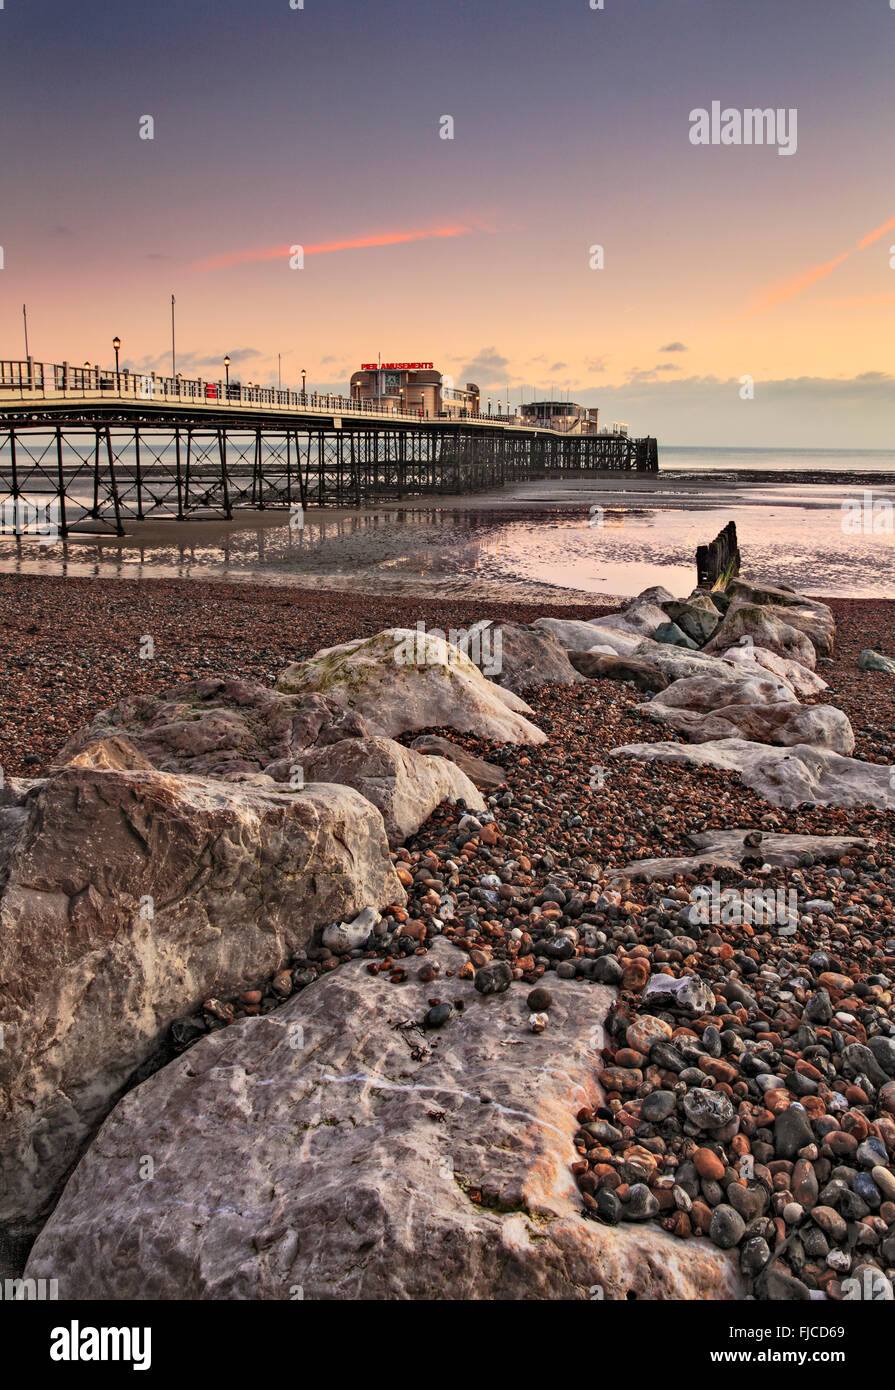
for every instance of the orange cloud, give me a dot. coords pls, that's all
(875, 236)
(779, 294)
(275, 253)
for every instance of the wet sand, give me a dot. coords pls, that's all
(599, 537)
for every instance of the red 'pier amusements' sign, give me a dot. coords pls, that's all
(397, 367)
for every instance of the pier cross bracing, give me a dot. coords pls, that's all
(107, 448)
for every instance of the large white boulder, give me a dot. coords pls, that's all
(801, 680)
(640, 618)
(404, 679)
(784, 776)
(403, 785)
(810, 616)
(781, 723)
(577, 636)
(676, 662)
(335, 1150)
(767, 627)
(706, 693)
(132, 897)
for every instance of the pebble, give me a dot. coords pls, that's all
(727, 1227)
(438, 1016)
(708, 1109)
(658, 1106)
(494, 978)
(641, 1203)
(708, 1164)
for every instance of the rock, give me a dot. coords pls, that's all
(785, 777)
(539, 1000)
(727, 1228)
(804, 1183)
(403, 679)
(641, 1204)
(131, 898)
(750, 1202)
(404, 786)
(688, 995)
(656, 593)
(697, 617)
(726, 849)
(341, 1132)
(872, 1152)
(607, 969)
(883, 1050)
(810, 616)
(348, 936)
(598, 666)
(214, 727)
(792, 1131)
(640, 617)
(885, 1181)
(778, 1285)
(708, 693)
(576, 636)
(673, 636)
(486, 776)
(857, 1059)
(657, 1106)
(821, 726)
(438, 1015)
(708, 1110)
(494, 978)
(609, 1208)
(709, 1165)
(677, 664)
(874, 661)
(766, 629)
(819, 1009)
(800, 679)
(830, 1222)
(645, 1030)
(529, 656)
(754, 1255)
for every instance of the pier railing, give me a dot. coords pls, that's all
(62, 381)
(29, 379)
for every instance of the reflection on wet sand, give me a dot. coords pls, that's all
(584, 537)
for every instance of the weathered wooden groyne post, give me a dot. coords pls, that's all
(718, 561)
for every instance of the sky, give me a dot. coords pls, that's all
(743, 296)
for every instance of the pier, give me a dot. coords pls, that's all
(105, 448)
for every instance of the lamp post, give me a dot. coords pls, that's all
(116, 343)
(489, 405)
(227, 370)
(303, 379)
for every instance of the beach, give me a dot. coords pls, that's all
(557, 843)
